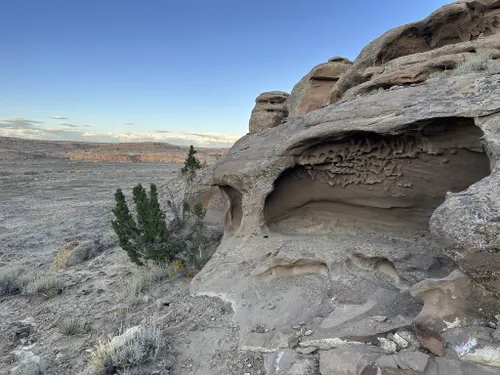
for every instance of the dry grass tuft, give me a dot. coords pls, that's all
(478, 63)
(142, 281)
(73, 326)
(13, 280)
(46, 285)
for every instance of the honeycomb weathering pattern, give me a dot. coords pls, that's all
(397, 180)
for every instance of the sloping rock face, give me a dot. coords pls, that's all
(314, 88)
(408, 54)
(327, 226)
(347, 224)
(269, 111)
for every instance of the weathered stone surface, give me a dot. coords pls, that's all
(435, 366)
(269, 111)
(347, 361)
(474, 344)
(447, 366)
(467, 226)
(453, 301)
(415, 361)
(430, 339)
(289, 362)
(417, 67)
(329, 217)
(418, 48)
(314, 88)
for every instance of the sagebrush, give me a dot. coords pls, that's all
(135, 348)
(31, 367)
(478, 63)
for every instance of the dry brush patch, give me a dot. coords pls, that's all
(31, 367)
(45, 285)
(73, 326)
(143, 280)
(135, 347)
(478, 63)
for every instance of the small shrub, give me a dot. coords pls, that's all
(478, 63)
(9, 280)
(13, 280)
(146, 238)
(31, 367)
(30, 173)
(134, 350)
(100, 361)
(73, 326)
(143, 345)
(47, 286)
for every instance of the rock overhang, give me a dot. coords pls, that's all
(267, 268)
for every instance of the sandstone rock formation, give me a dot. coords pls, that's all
(269, 111)
(453, 301)
(467, 225)
(313, 89)
(328, 221)
(337, 221)
(409, 53)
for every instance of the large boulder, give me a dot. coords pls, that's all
(269, 111)
(315, 87)
(467, 226)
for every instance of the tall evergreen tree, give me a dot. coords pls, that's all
(191, 164)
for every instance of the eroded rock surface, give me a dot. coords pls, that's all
(453, 301)
(327, 244)
(409, 53)
(467, 226)
(370, 182)
(269, 111)
(314, 88)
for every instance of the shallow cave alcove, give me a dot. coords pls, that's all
(367, 182)
(234, 213)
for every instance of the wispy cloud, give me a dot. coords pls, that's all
(129, 123)
(24, 128)
(19, 123)
(73, 125)
(215, 137)
(58, 117)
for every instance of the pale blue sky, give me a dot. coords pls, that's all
(168, 70)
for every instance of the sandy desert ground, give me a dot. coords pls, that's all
(48, 202)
